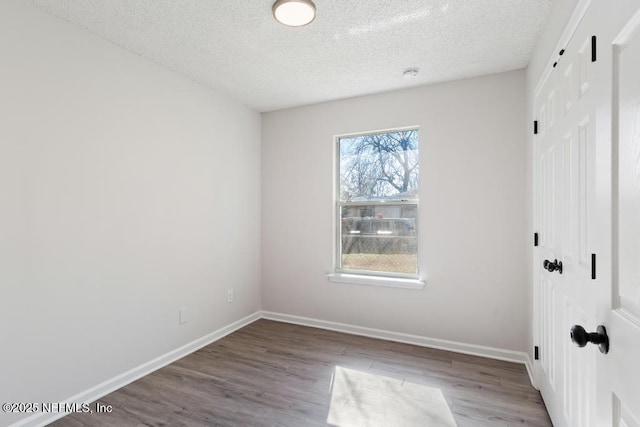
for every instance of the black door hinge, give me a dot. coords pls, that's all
(535, 127)
(593, 49)
(593, 266)
(535, 239)
(536, 353)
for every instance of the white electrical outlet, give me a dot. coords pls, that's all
(229, 295)
(183, 318)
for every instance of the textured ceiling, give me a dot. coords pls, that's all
(352, 48)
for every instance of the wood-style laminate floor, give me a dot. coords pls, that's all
(277, 374)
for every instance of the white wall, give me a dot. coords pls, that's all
(559, 16)
(472, 217)
(126, 193)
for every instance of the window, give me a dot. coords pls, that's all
(377, 212)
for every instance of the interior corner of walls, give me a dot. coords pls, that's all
(152, 209)
(110, 385)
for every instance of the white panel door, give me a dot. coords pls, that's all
(548, 186)
(587, 199)
(618, 384)
(566, 108)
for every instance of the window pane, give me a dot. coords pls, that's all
(379, 166)
(385, 241)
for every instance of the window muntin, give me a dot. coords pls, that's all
(378, 203)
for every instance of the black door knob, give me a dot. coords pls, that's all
(581, 337)
(552, 266)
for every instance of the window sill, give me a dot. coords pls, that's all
(389, 282)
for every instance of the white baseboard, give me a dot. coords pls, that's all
(458, 347)
(94, 393)
(119, 381)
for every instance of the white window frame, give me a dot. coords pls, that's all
(370, 277)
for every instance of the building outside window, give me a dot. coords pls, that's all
(377, 208)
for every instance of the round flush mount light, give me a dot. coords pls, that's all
(294, 13)
(410, 73)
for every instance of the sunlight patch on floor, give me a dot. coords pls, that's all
(363, 399)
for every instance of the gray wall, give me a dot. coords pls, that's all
(126, 193)
(472, 212)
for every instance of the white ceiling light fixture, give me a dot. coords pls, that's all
(294, 13)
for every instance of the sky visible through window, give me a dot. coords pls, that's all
(379, 166)
(379, 177)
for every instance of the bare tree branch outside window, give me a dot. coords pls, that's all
(379, 166)
(378, 205)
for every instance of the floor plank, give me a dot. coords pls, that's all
(277, 374)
